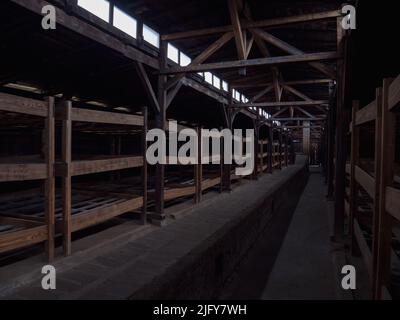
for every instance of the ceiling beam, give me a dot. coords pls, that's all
(252, 63)
(281, 104)
(293, 50)
(276, 22)
(291, 83)
(237, 29)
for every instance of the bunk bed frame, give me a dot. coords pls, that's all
(109, 205)
(379, 185)
(17, 232)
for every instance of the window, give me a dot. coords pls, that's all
(209, 77)
(173, 53)
(151, 36)
(124, 22)
(185, 60)
(201, 74)
(100, 8)
(225, 86)
(233, 93)
(237, 96)
(216, 82)
(243, 99)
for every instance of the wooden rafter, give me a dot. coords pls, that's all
(292, 50)
(307, 57)
(237, 29)
(256, 24)
(261, 94)
(147, 86)
(281, 104)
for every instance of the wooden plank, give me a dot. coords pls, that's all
(94, 116)
(392, 199)
(50, 181)
(66, 182)
(22, 172)
(365, 180)
(104, 213)
(22, 238)
(275, 22)
(82, 167)
(144, 168)
(363, 245)
(306, 57)
(366, 114)
(394, 93)
(13, 103)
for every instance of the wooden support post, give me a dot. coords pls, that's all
(354, 159)
(377, 195)
(270, 149)
(199, 168)
(159, 217)
(66, 178)
(385, 220)
(50, 181)
(306, 139)
(286, 151)
(280, 149)
(261, 158)
(144, 168)
(340, 154)
(221, 165)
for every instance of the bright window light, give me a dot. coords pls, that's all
(201, 74)
(100, 8)
(225, 86)
(233, 93)
(237, 96)
(151, 36)
(243, 99)
(185, 60)
(209, 77)
(124, 22)
(173, 53)
(216, 82)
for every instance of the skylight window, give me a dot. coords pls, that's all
(237, 96)
(225, 86)
(209, 77)
(173, 53)
(216, 82)
(100, 8)
(151, 36)
(124, 22)
(185, 60)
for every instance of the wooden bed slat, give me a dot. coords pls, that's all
(22, 172)
(12, 103)
(366, 114)
(366, 181)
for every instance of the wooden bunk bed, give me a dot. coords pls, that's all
(263, 156)
(96, 206)
(18, 232)
(374, 193)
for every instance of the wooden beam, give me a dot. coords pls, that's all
(147, 86)
(296, 119)
(290, 83)
(261, 94)
(280, 104)
(307, 57)
(209, 51)
(237, 29)
(292, 50)
(283, 21)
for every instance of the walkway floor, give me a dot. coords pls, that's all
(304, 267)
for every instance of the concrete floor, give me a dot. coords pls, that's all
(304, 267)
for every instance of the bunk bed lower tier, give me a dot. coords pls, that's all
(88, 207)
(18, 233)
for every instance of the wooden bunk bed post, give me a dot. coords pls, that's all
(385, 220)
(377, 170)
(270, 149)
(50, 181)
(144, 167)
(354, 159)
(280, 149)
(286, 151)
(199, 167)
(261, 162)
(66, 159)
(159, 217)
(222, 160)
